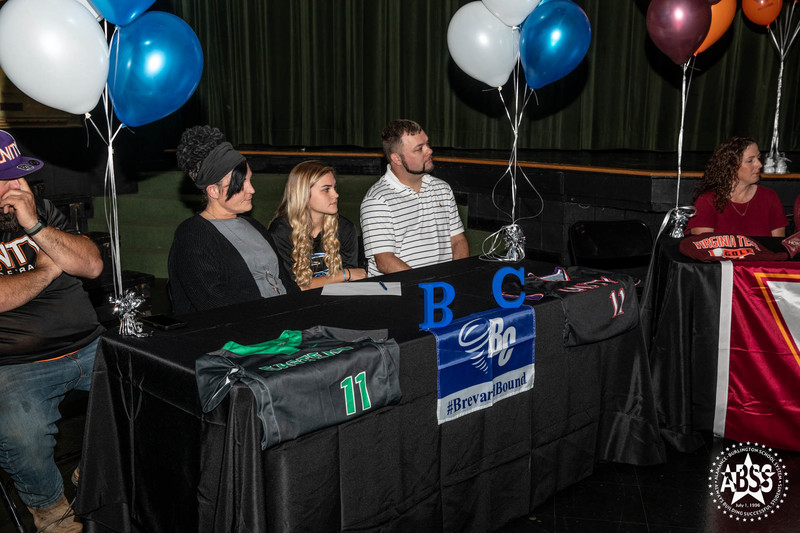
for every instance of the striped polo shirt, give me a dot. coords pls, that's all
(415, 227)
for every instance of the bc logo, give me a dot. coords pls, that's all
(449, 294)
(484, 342)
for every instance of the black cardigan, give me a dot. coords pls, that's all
(206, 271)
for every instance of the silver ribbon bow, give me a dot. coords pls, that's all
(126, 308)
(509, 238)
(679, 217)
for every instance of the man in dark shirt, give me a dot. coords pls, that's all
(48, 335)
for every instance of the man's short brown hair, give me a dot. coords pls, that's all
(393, 133)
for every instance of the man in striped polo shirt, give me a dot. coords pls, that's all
(409, 219)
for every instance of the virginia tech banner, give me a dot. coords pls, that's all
(483, 358)
(759, 361)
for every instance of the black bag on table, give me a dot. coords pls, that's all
(597, 304)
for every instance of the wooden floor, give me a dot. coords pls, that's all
(672, 497)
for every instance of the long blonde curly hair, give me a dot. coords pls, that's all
(294, 206)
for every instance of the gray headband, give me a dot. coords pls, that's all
(221, 160)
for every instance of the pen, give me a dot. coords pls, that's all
(384, 286)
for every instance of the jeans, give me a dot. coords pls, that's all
(30, 394)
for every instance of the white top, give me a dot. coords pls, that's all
(415, 227)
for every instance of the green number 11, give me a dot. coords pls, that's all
(349, 394)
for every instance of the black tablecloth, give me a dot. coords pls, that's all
(683, 337)
(681, 321)
(152, 461)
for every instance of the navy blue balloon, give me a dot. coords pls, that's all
(554, 40)
(155, 66)
(121, 12)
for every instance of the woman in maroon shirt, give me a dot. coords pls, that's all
(730, 200)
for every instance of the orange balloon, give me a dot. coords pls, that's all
(762, 12)
(721, 17)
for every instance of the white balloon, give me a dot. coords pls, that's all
(95, 13)
(511, 12)
(55, 52)
(481, 45)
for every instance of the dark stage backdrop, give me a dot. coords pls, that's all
(333, 72)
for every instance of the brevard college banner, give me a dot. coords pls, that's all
(758, 365)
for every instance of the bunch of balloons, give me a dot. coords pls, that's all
(486, 39)
(56, 52)
(682, 28)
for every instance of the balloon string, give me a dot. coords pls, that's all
(512, 157)
(783, 43)
(115, 35)
(685, 84)
(112, 221)
(680, 133)
(510, 237)
(119, 128)
(513, 170)
(771, 33)
(125, 304)
(528, 94)
(110, 186)
(775, 134)
(796, 28)
(90, 121)
(87, 117)
(512, 160)
(787, 28)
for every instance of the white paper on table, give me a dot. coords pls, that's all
(363, 288)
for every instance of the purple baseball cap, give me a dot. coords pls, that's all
(12, 164)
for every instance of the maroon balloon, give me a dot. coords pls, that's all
(678, 27)
(712, 2)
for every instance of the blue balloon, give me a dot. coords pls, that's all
(121, 12)
(155, 66)
(554, 40)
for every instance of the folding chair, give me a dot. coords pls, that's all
(616, 245)
(6, 485)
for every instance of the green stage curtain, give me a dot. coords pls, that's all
(333, 72)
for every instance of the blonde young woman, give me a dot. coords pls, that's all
(313, 241)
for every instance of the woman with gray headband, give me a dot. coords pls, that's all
(220, 256)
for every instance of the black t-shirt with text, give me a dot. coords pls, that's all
(60, 320)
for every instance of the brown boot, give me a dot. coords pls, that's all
(57, 518)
